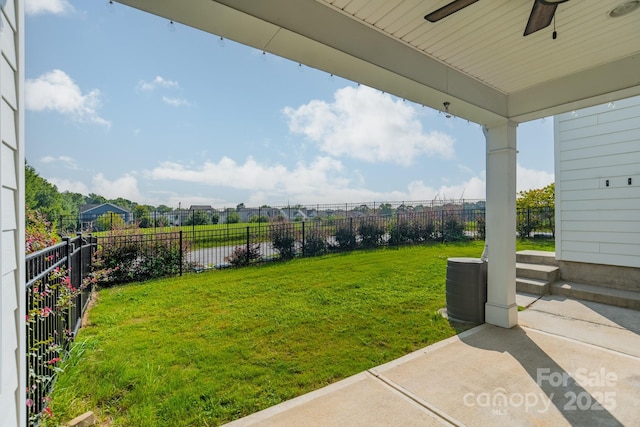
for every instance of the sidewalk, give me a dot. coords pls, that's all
(568, 363)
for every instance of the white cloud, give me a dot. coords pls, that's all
(471, 189)
(175, 102)
(365, 124)
(529, 179)
(322, 180)
(70, 186)
(158, 82)
(67, 161)
(126, 186)
(56, 91)
(37, 7)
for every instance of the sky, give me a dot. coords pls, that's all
(122, 103)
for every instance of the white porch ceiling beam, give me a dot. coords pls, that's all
(597, 85)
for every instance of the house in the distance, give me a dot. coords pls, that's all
(88, 214)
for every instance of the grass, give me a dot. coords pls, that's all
(208, 348)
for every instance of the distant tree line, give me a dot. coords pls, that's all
(44, 197)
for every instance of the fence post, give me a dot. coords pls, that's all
(66, 316)
(181, 253)
(303, 222)
(248, 244)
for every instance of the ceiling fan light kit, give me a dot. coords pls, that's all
(624, 8)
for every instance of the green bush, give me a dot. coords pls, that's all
(258, 219)
(243, 255)
(133, 257)
(283, 238)
(109, 221)
(400, 232)
(423, 230)
(453, 230)
(371, 233)
(233, 218)
(345, 236)
(315, 243)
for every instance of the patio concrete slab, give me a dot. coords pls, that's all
(524, 299)
(607, 326)
(555, 369)
(361, 399)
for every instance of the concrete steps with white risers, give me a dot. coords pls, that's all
(610, 296)
(538, 272)
(535, 271)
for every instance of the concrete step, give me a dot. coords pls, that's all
(532, 286)
(610, 296)
(548, 273)
(537, 257)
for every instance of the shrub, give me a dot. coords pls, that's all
(345, 236)
(371, 233)
(315, 243)
(423, 230)
(258, 219)
(283, 238)
(39, 232)
(233, 218)
(198, 217)
(453, 230)
(136, 257)
(243, 255)
(400, 232)
(109, 221)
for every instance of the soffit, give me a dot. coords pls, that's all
(477, 58)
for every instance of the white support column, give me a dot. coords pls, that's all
(501, 308)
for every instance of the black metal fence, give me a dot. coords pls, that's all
(534, 222)
(56, 300)
(225, 245)
(201, 216)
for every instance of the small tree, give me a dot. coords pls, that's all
(198, 218)
(536, 210)
(233, 218)
(109, 221)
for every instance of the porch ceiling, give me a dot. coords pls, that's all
(477, 59)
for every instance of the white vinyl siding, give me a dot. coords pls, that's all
(596, 223)
(12, 330)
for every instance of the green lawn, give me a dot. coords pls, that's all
(208, 348)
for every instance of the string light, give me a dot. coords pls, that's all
(446, 109)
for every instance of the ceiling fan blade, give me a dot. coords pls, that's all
(448, 9)
(541, 15)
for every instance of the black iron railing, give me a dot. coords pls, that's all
(56, 298)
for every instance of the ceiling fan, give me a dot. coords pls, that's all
(540, 17)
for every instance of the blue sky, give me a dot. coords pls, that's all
(123, 104)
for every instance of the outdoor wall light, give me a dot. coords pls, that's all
(447, 114)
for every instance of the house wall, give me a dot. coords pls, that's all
(596, 223)
(12, 329)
